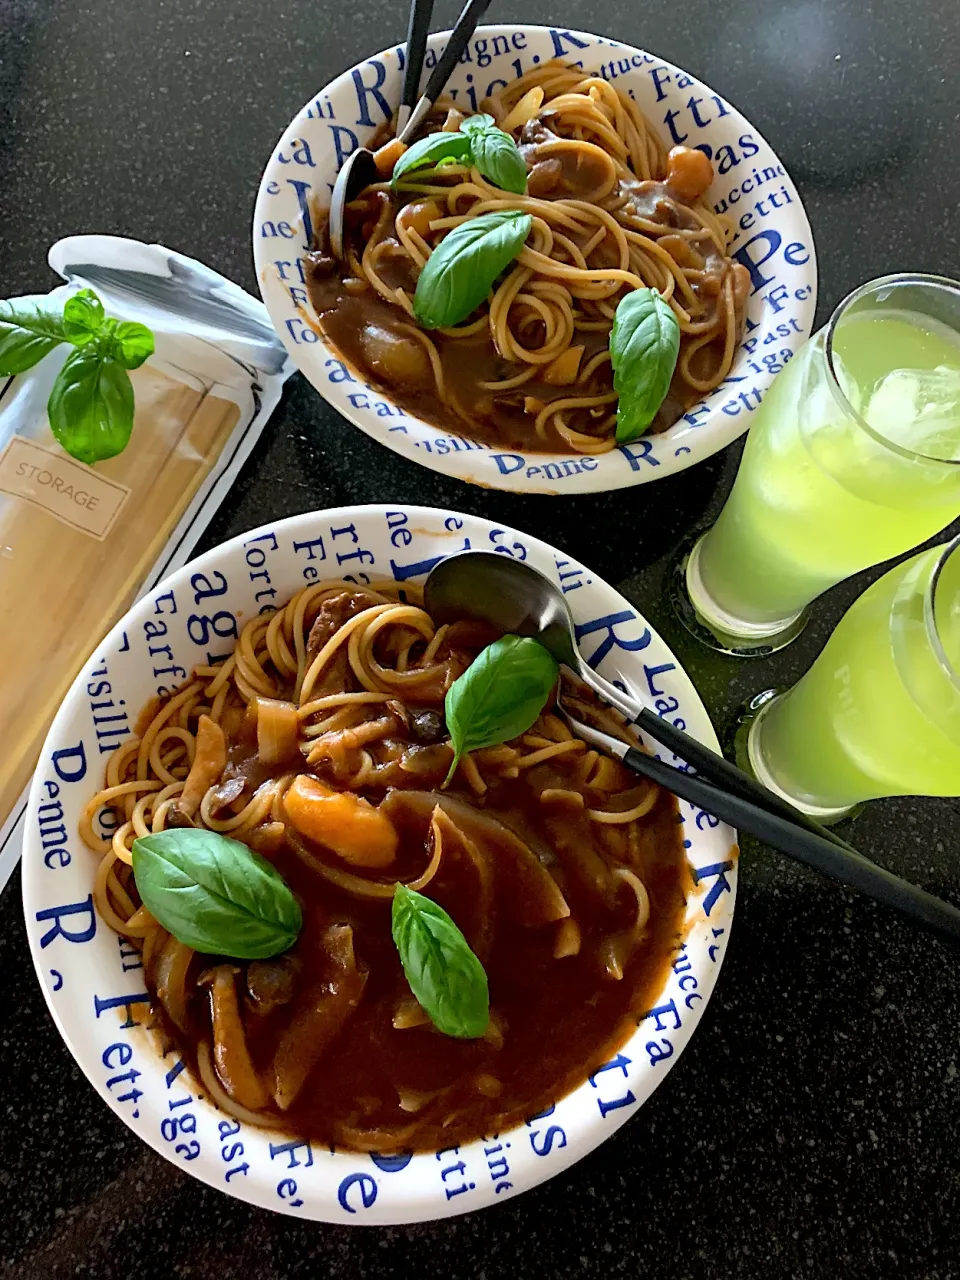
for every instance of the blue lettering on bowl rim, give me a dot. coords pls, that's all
(95, 980)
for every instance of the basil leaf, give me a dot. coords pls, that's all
(496, 156)
(134, 343)
(214, 894)
(445, 976)
(500, 694)
(82, 317)
(461, 270)
(91, 404)
(30, 328)
(644, 344)
(429, 151)
(477, 123)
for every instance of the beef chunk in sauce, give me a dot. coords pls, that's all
(427, 727)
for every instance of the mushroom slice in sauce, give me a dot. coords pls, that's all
(319, 1016)
(230, 1053)
(226, 792)
(272, 983)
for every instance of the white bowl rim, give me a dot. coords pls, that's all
(720, 419)
(584, 1138)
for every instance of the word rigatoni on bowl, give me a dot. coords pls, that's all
(571, 281)
(263, 780)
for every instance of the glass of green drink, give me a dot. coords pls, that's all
(878, 713)
(852, 458)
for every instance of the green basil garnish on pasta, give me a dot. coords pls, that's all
(214, 894)
(477, 142)
(644, 344)
(500, 694)
(430, 151)
(478, 123)
(496, 154)
(465, 264)
(445, 976)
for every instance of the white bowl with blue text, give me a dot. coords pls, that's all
(773, 241)
(93, 980)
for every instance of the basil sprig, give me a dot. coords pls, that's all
(644, 344)
(461, 270)
(214, 894)
(429, 151)
(500, 694)
(445, 976)
(82, 317)
(91, 402)
(496, 154)
(478, 142)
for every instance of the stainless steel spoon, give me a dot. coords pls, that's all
(360, 168)
(515, 598)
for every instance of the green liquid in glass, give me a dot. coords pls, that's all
(818, 497)
(878, 714)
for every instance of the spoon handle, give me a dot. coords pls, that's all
(421, 11)
(473, 11)
(841, 863)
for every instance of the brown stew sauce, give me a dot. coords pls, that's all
(560, 1018)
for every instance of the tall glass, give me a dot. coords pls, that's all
(878, 713)
(852, 458)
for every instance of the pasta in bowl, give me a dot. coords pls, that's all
(557, 286)
(337, 906)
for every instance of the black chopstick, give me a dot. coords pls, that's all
(840, 861)
(466, 24)
(715, 768)
(421, 11)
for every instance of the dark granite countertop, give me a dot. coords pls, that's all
(813, 1126)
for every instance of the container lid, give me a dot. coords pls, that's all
(173, 294)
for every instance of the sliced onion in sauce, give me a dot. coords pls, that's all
(409, 1013)
(278, 730)
(222, 1099)
(170, 979)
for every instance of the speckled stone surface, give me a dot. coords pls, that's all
(812, 1128)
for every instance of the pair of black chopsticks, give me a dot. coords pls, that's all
(418, 29)
(720, 788)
